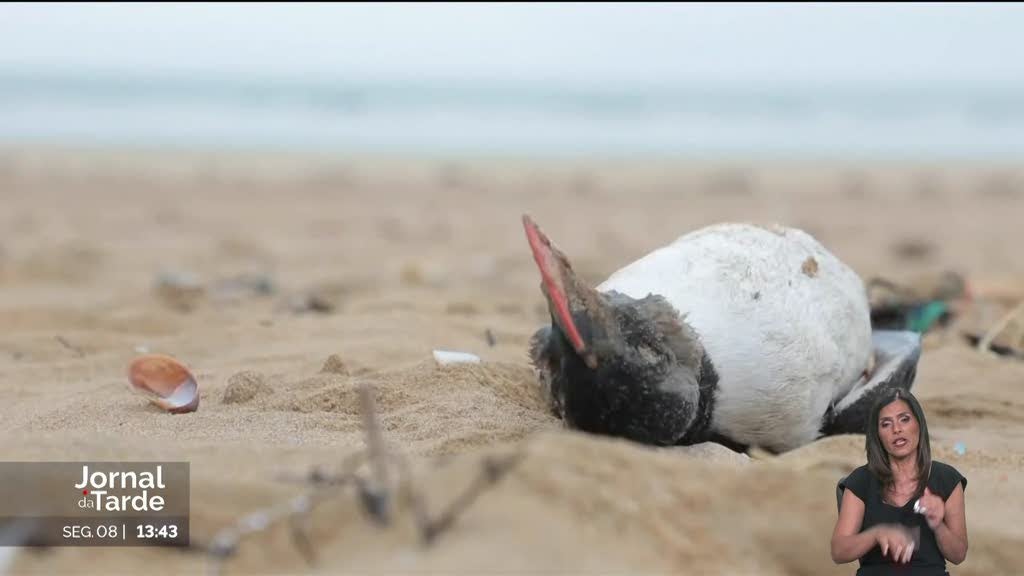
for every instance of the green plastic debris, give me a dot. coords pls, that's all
(923, 317)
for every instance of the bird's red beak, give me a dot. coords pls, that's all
(557, 275)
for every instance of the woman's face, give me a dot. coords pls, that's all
(898, 430)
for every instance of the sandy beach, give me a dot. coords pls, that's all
(369, 264)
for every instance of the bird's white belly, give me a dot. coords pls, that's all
(785, 323)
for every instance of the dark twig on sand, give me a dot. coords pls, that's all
(64, 342)
(375, 495)
(493, 470)
(985, 344)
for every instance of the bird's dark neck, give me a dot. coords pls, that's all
(700, 430)
(659, 388)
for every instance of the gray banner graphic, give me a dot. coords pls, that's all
(94, 503)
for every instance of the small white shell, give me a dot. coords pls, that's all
(445, 357)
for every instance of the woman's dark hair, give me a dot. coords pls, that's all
(878, 457)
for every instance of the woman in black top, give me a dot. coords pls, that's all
(901, 513)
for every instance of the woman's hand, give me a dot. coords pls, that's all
(933, 508)
(895, 541)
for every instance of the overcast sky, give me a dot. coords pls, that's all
(659, 43)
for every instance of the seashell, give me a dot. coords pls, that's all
(166, 381)
(444, 357)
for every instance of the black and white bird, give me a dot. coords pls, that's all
(734, 333)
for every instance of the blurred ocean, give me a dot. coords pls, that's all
(523, 119)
